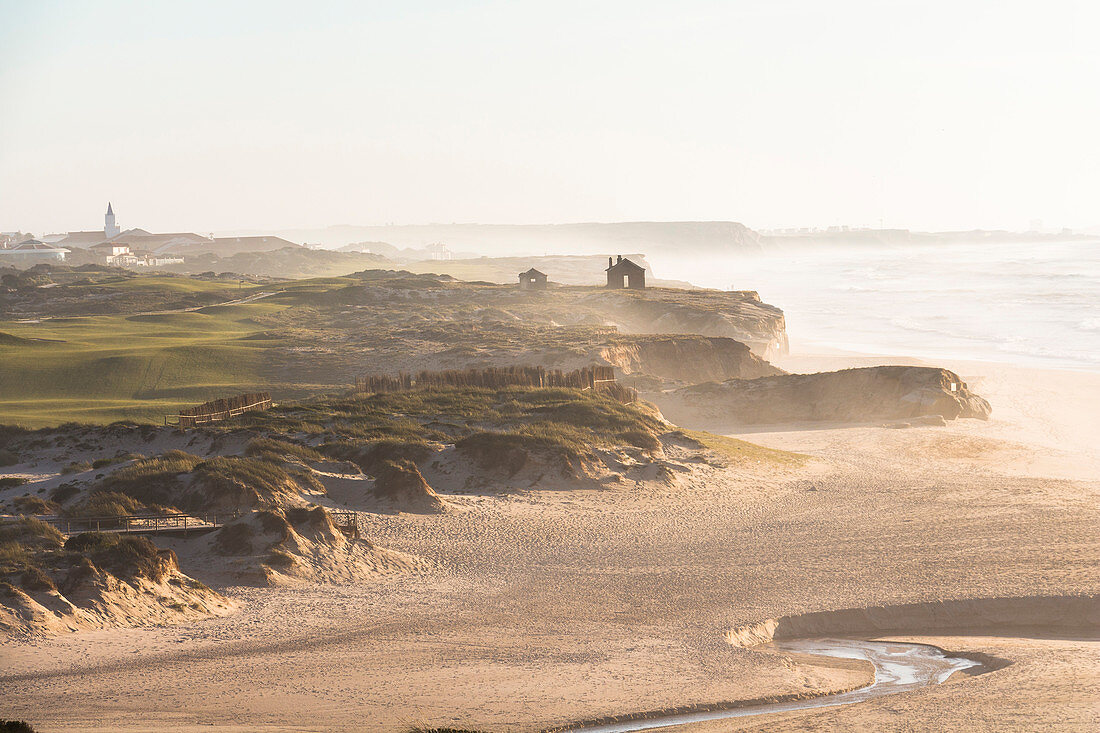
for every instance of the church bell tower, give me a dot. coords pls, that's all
(110, 229)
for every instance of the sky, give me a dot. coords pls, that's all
(207, 116)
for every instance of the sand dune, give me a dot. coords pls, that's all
(546, 607)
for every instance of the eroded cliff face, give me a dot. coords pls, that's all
(687, 359)
(738, 315)
(850, 396)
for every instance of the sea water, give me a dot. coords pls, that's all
(1036, 304)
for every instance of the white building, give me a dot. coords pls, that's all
(31, 253)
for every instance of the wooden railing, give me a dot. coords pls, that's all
(346, 521)
(141, 523)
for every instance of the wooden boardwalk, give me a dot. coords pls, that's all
(176, 523)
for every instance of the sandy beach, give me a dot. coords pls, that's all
(548, 607)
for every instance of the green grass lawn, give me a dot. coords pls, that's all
(105, 368)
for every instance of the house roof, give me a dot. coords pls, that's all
(625, 265)
(108, 245)
(532, 273)
(33, 245)
(83, 239)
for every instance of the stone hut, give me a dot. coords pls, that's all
(625, 274)
(532, 280)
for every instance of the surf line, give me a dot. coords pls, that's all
(898, 667)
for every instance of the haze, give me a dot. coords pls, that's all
(216, 116)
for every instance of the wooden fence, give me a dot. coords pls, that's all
(222, 409)
(593, 377)
(141, 523)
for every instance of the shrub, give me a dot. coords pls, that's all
(280, 559)
(91, 541)
(110, 504)
(13, 556)
(241, 482)
(64, 492)
(305, 516)
(76, 467)
(35, 579)
(15, 726)
(369, 457)
(273, 523)
(135, 556)
(10, 481)
(640, 439)
(101, 462)
(31, 532)
(33, 505)
(234, 539)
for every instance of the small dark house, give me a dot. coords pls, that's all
(625, 274)
(532, 280)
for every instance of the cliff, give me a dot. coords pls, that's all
(850, 395)
(739, 315)
(689, 359)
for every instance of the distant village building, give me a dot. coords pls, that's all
(439, 251)
(625, 274)
(30, 253)
(110, 249)
(532, 280)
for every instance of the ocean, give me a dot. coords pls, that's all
(1035, 304)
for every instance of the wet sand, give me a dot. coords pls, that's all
(898, 667)
(552, 607)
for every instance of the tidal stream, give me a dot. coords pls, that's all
(899, 667)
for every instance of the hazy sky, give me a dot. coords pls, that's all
(217, 115)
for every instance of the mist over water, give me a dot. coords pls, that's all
(1031, 304)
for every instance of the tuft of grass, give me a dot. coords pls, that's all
(14, 556)
(76, 467)
(11, 481)
(29, 504)
(35, 578)
(111, 504)
(125, 556)
(370, 456)
(31, 532)
(150, 481)
(242, 482)
(273, 449)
